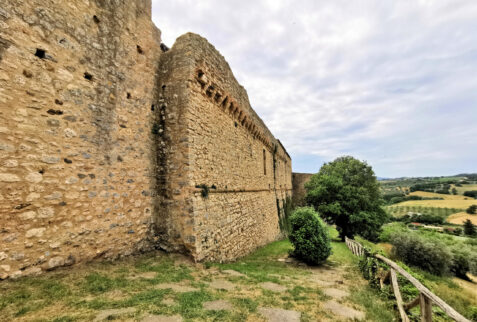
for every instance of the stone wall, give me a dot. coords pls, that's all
(109, 146)
(299, 192)
(76, 86)
(233, 170)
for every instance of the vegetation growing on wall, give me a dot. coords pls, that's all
(284, 215)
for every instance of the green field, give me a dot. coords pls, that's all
(399, 210)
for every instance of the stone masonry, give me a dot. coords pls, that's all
(111, 145)
(298, 186)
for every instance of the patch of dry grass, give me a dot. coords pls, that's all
(438, 195)
(460, 217)
(458, 204)
(464, 188)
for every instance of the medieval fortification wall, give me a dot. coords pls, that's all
(299, 192)
(109, 146)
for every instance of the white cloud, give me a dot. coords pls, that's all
(392, 82)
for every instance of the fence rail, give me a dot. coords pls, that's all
(425, 299)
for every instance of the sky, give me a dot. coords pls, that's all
(390, 82)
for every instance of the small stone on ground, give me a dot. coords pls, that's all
(107, 314)
(279, 315)
(344, 311)
(176, 287)
(335, 293)
(147, 275)
(222, 285)
(320, 281)
(162, 318)
(273, 287)
(231, 272)
(217, 305)
(168, 302)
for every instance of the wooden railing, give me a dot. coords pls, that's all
(425, 299)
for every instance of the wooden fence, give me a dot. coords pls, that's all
(425, 299)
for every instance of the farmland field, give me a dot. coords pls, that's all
(460, 217)
(399, 210)
(426, 194)
(458, 204)
(464, 188)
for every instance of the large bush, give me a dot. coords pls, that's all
(469, 228)
(309, 236)
(430, 256)
(345, 192)
(422, 218)
(471, 193)
(472, 210)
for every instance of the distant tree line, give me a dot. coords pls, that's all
(397, 197)
(435, 187)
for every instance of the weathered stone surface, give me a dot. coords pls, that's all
(146, 275)
(222, 285)
(9, 177)
(55, 262)
(217, 305)
(35, 232)
(279, 315)
(298, 184)
(176, 287)
(48, 134)
(34, 177)
(335, 293)
(103, 144)
(112, 313)
(274, 287)
(211, 118)
(162, 318)
(168, 302)
(342, 310)
(232, 272)
(28, 215)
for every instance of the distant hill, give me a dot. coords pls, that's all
(470, 176)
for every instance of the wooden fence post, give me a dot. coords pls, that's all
(397, 294)
(426, 308)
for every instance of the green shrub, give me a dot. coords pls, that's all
(431, 256)
(471, 193)
(472, 210)
(390, 229)
(423, 219)
(469, 228)
(309, 236)
(460, 263)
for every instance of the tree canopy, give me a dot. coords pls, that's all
(346, 192)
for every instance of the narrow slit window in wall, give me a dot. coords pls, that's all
(264, 162)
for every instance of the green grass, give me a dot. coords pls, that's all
(78, 294)
(377, 309)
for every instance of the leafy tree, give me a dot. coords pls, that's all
(471, 193)
(454, 191)
(309, 236)
(472, 210)
(345, 192)
(469, 228)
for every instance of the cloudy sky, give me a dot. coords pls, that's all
(390, 82)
